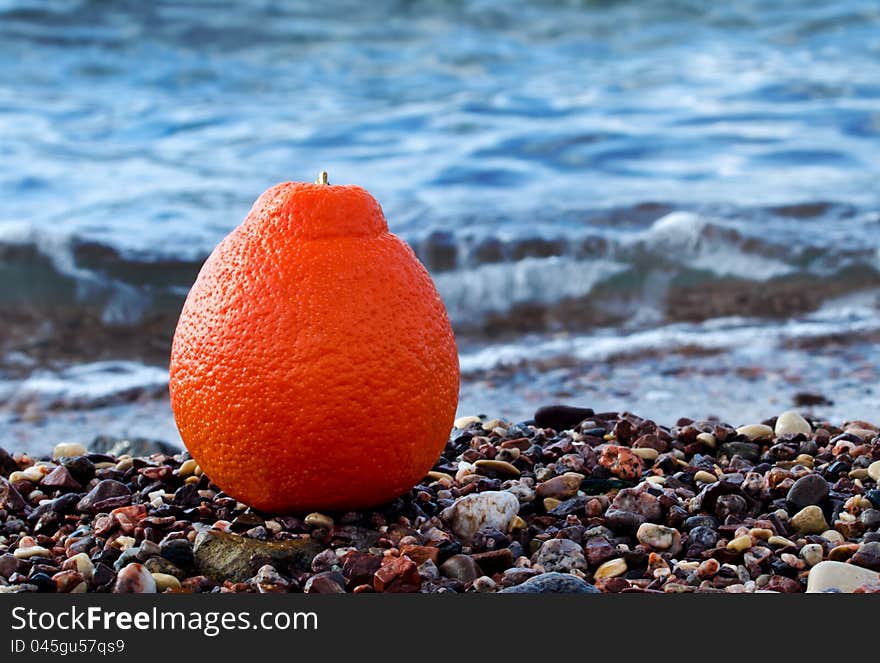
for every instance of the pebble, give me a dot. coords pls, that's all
(646, 453)
(105, 491)
(496, 468)
(806, 491)
(809, 520)
(560, 487)
(561, 417)
(659, 537)
(740, 543)
(165, 581)
(578, 499)
(552, 583)
(397, 575)
(611, 569)
(621, 461)
(463, 422)
(325, 582)
(316, 519)
(755, 432)
(32, 551)
(868, 556)
(473, 512)
(833, 536)
(269, 581)
(82, 564)
(187, 468)
(791, 423)
(461, 567)
(708, 440)
(781, 541)
(179, 552)
(561, 555)
(812, 553)
(839, 577)
(60, 477)
(68, 449)
(134, 579)
(874, 471)
(705, 477)
(485, 585)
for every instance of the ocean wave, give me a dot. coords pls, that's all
(681, 265)
(850, 319)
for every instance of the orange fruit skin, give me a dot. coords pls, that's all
(313, 365)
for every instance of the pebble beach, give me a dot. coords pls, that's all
(571, 500)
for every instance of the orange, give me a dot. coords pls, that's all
(314, 366)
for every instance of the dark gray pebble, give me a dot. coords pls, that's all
(561, 417)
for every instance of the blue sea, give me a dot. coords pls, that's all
(666, 207)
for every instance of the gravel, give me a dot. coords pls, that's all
(573, 501)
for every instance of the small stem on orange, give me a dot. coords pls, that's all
(322, 178)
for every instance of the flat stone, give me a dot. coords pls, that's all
(496, 468)
(105, 491)
(755, 432)
(839, 577)
(874, 471)
(552, 583)
(225, 556)
(471, 513)
(561, 487)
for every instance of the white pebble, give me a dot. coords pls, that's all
(32, 551)
(471, 513)
(68, 449)
(755, 432)
(792, 423)
(464, 422)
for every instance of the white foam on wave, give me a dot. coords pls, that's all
(83, 384)
(497, 287)
(687, 237)
(745, 335)
(121, 303)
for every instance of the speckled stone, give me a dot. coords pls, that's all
(471, 513)
(552, 583)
